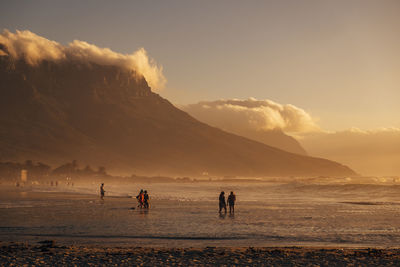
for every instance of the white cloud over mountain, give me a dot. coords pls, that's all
(253, 114)
(34, 48)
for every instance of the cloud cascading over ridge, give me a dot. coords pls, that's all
(252, 114)
(34, 48)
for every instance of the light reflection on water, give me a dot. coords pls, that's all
(187, 215)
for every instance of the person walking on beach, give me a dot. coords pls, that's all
(231, 202)
(140, 198)
(146, 200)
(222, 203)
(102, 191)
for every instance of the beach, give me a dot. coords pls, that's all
(49, 254)
(267, 214)
(277, 223)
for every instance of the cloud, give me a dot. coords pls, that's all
(253, 114)
(34, 49)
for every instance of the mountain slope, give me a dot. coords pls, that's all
(276, 138)
(98, 114)
(248, 118)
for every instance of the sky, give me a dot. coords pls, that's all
(337, 60)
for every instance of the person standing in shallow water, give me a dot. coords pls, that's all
(231, 202)
(140, 198)
(222, 203)
(102, 191)
(146, 200)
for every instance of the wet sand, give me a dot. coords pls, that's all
(50, 254)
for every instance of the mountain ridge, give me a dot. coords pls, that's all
(102, 114)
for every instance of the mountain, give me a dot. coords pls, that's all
(102, 114)
(250, 118)
(276, 138)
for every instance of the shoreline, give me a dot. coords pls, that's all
(116, 241)
(49, 253)
(116, 211)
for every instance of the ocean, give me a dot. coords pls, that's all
(348, 212)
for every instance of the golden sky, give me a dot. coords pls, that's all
(338, 60)
(326, 72)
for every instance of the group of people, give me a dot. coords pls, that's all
(231, 202)
(143, 199)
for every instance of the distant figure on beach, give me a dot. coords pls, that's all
(222, 203)
(231, 202)
(140, 198)
(146, 200)
(102, 191)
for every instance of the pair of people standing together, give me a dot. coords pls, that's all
(231, 202)
(143, 199)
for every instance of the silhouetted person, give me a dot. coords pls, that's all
(140, 198)
(102, 191)
(146, 199)
(231, 202)
(222, 203)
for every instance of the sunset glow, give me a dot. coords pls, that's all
(200, 133)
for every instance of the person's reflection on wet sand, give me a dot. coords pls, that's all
(144, 212)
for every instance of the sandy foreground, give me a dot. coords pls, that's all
(47, 253)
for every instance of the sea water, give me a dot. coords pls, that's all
(267, 213)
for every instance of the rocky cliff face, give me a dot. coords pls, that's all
(59, 111)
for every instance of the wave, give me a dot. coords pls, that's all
(352, 192)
